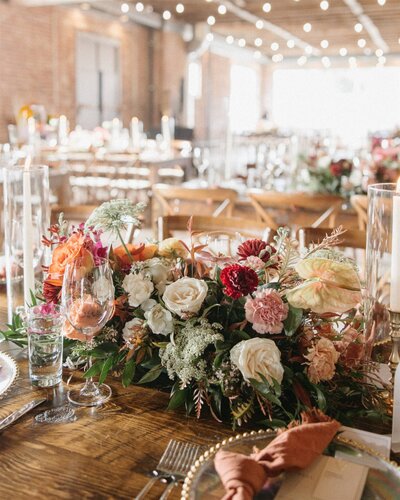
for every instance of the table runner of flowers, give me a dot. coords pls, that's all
(258, 336)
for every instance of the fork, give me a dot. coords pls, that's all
(174, 464)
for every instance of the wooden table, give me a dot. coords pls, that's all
(106, 453)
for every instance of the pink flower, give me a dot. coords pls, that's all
(322, 359)
(254, 263)
(266, 311)
(351, 348)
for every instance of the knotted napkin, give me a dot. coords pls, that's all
(294, 448)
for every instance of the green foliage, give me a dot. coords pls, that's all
(16, 331)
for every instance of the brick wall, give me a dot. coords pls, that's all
(37, 58)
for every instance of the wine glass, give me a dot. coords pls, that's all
(88, 303)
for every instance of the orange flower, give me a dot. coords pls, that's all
(138, 253)
(66, 253)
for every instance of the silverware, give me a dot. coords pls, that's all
(15, 415)
(174, 464)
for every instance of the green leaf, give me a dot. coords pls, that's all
(178, 398)
(321, 400)
(151, 375)
(94, 370)
(293, 320)
(275, 423)
(107, 365)
(129, 372)
(103, 350)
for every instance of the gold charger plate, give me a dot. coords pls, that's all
(203, 483)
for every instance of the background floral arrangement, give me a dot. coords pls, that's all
(260, 335)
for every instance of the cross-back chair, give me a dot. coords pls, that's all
(360, 205)
(352, 238)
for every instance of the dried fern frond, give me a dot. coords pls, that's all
(330, 240)
(242, 411)
(287, 249)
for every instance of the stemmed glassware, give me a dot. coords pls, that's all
(88, 303)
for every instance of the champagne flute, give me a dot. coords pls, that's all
(88, 303)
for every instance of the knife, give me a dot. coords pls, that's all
(15, 415)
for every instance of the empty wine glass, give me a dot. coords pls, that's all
(88, 303)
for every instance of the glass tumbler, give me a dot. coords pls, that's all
(45, 344)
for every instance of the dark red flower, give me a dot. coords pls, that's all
(238, 280)
(255, 247)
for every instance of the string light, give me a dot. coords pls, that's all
(381, 2)
(267, 7)
(358, 27)
(324, 44)
(290, 43)
(307, 27)
(308, 50)
(211, 20)
(166, 15)
(260, 24)
(229, 39)
(361, 43)
(277, 58)
(242, 42)
(324, 5)
(124, 8)
(258, 42)
(326, 62)
(139, 7)
(221, 9)
(343, 52)
(379, 52)
(180, 8)
(275, 46)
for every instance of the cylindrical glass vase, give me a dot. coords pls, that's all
(18, 207)
(45, 344)
(379, 259)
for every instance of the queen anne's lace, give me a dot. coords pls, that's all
(114, 215)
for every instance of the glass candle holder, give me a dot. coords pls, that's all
(379, 263)
(26, 220)
(45, 344)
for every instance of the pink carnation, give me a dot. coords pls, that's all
(266, 311)
(322, 357)
(255, 263)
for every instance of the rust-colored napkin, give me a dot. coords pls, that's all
(295, 448)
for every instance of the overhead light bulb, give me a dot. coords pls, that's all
(258, 42)
(358, 27)
(290, 43)
(381, 2)
(379, 52)
(308, 50)
(362, 43)
(124, 8)
(229, 39)
(259, 24)
(209, 37)
(166, 15)
(301, 61)
(343, 52)
(211, 20)
(382, 59)
(275, 46)
(267, 7)
(307, 27)
(324, 44)
(139, 7)
(277, 58)
(242, 42)
(326, 62)
(324, 5)
(353, 61)
(221, 9)
(180, 8)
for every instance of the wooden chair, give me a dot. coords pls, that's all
(360, 205)
(168, 195)
(327, 206)
(352, 238)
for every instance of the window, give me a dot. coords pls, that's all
(345, 102)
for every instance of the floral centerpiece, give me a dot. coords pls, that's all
(326, 175)
(259, 335)
(386, 164)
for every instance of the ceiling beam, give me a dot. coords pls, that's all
(371, 28)
(245, 15)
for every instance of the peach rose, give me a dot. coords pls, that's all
(138, 253)
(322, 359)
(65, 254)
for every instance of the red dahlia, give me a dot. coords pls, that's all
(255, 247)
(238, 280)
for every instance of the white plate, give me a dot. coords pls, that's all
(8, 373)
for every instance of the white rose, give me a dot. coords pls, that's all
(258, 356)
(130, 330)
(185, 295)
(159, 272)
(159, 320)
(138, 287)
